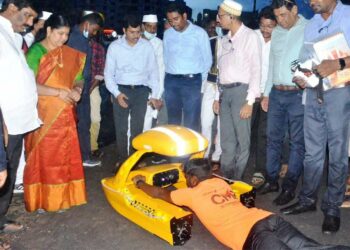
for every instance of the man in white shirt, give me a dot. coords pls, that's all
(267, 22)
(149, 24)
(18, 95)
(239, 63)
(131, 73)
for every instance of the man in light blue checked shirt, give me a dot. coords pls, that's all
(187, 58)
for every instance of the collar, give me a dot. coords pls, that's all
(125, 43)
(237, 34)
(336, 12)
(7, 25)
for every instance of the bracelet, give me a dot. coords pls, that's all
(138, 183)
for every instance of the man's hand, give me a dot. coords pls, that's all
(123, 100)
(138, 178)
(246, 111)
(94, 84)
(75, 95)
(299, 81)
(265, 103)
(3, 176)
(155, 103)
(327, 67)
(216, 107)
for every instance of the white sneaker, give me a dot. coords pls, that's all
(91, 163)
(19, 189)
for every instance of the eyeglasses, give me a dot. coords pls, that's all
(222, 15)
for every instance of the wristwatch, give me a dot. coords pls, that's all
(342, 63)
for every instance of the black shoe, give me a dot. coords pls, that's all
(268, 188)
(298, 208)
(284, 197)
(330, 224)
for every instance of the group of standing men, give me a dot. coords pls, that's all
(135, 69)
(292, 108)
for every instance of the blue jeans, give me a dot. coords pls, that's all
(326, 124)
(285, 113)
(183, 94)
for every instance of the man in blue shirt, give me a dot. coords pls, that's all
(79, 40)
(327, 122)
(131, 73)
(283, 102)
(187, 58)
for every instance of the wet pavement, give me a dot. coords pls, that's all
(97, 226)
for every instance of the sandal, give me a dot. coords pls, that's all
(346, 202)
(4, 245)
(258, 179)
(11, 227)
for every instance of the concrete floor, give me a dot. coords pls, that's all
(97, 226)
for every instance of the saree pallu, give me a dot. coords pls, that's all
(54, 176)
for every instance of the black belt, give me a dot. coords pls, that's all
(132, 86)
(184, 75)
(229, 85)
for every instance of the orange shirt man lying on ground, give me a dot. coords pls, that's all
(233, 224)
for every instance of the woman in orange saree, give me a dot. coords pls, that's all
(53, 175)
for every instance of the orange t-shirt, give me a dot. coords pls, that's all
(215, 204)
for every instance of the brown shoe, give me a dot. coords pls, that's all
(11, 227)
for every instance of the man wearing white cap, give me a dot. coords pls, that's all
(150, 33)
(239, 63)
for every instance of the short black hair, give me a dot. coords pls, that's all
(289, 4)
(267, 13)
(93, 18)
(176, 7)
(20, 4)
(132, 20)
(200, 168)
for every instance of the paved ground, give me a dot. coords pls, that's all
(97, 226)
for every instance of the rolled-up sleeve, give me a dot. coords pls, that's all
(153, 82)
(254, 54)
(110, 71)
(206, 54)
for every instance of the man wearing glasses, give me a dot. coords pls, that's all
(283, 101)
(326, 123)
(239, 63)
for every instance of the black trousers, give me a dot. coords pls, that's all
(14, 150)
(275, 233)
(258, 137)
(137, 104)
(84, 123)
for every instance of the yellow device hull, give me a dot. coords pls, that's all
(167, 221)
